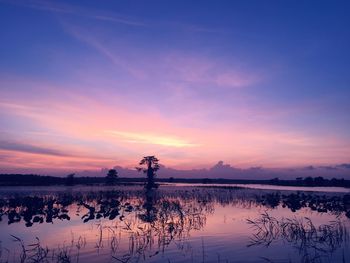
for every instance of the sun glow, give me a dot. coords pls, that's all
(133, 137)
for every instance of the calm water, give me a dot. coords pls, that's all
(174, 223)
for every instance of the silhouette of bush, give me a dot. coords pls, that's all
(112, 177)
(70, 180)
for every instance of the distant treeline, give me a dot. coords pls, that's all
(307, 181)
(71, 179)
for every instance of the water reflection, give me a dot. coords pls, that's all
(140, 224)
(111, 204)
(296, 201)
(34, 209)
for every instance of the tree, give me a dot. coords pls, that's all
(319, 181)
(70, 179)
(151, 166)
(309, 181)
(112, 177)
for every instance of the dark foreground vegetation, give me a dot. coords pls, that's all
(161, 217)
(112, 204)
(112, 179)
(152, 219)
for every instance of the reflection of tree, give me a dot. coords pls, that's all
(150, 219)
(311, 241)
(295, 201)
(150, 214)
(162, 220)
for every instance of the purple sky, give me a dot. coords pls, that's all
(87, 85)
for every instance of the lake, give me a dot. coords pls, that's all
(174, 223)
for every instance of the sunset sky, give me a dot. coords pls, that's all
(86, 85)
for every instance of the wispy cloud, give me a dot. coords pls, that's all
(344, 165)
(240, 142)
(15, 106)
(56, 7)
(106, 52)
(205, 70)
(28, 148)
(151, 139)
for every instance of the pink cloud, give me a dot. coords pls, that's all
(166, 66)
(75, 123)
(201, 69)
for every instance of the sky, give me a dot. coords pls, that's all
(86, 85)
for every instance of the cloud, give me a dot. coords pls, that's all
(256, 168)
(310, 167)
(344, 165)
(151, 139)
(52, 6)
(222, 170)
(108, 53)
(167, 66)
(28, 148)
(244, 143)
(221, 166)
(205, 70)
(327, 167)
(16, 107)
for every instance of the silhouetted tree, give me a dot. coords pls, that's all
(112, 177)
(151, 163)
(206, 181)
(319, 181)
(274, 180)
(70, 179)
(309, 181)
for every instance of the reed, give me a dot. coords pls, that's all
(313, 242)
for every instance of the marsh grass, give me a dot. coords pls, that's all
(36, 253)
(313, 242)
(150, 222)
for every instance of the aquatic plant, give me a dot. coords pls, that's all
(311, 241)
